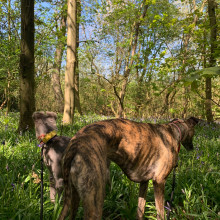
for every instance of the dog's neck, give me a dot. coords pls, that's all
(45, 138)
(179, 126)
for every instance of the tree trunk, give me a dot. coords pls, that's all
(133, 43)
(27, 83)
(76, 78)
(71, 59)
(212, 61)
(208, 103)
(8, 99)
(57, 66)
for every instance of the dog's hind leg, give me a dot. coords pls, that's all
(93, 205)
(93, 195)
(159, 198)
(75, 199)
(108, 176)
(142, 200)
(66, 203)
(88, 175)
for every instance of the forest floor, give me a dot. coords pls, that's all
(197, 191)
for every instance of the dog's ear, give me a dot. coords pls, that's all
(37, 115)
(175, 119)
(193, 121)
(52, 114)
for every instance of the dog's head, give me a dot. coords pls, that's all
(44, 122)
(187, 141)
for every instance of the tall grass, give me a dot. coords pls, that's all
(197, 191)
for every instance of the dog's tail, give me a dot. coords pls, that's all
(68, 157)
(66, 162)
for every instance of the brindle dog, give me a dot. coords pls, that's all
(143, 151)
(53, 148)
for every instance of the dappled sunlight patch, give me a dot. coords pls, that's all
(35, 177)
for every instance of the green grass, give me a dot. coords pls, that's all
(197, 191)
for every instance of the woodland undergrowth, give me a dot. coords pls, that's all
(196, 196)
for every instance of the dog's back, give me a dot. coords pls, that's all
(134, 146)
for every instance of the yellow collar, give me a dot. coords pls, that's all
(49, 136)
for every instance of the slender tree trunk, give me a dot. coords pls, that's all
(69, 99)
(57, 67)
(133, 43)
(208, 103)
(186, 102)
(212, 61)
(7, 93)
(186, 40)
(185, 50)
(27, 83)
(55, 78)
(76, 78)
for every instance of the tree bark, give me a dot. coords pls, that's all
(71, 64)
(76, 78)
(27, 83)
(212, 61)
(57, 66)
(8, 88)
(208, 103)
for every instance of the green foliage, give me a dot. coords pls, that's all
(169, 65)
(197, 183)
(173, 44)
(196, 76)
(9, 53)
(197, 192)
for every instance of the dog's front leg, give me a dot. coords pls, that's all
(159, 198)
(57, 174)
(142, 200)
(52, 189)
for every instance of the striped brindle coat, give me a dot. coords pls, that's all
(143, 151)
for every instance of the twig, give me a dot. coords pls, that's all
(2, 104)
(202, 97)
